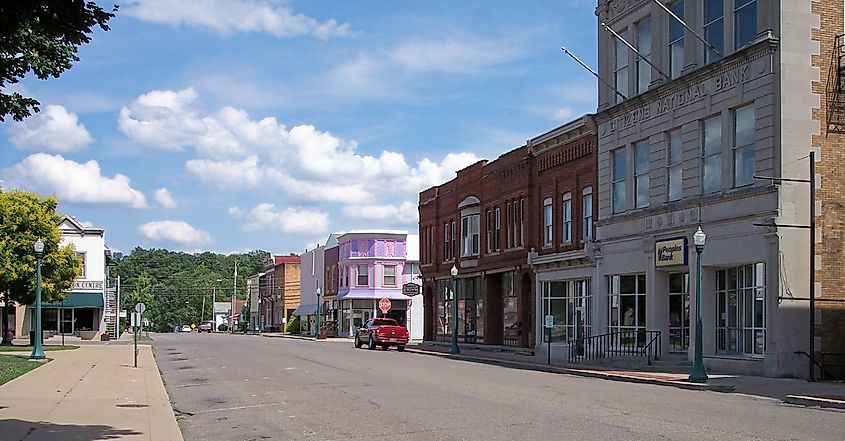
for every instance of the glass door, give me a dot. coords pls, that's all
(66, 321)
(679, 324)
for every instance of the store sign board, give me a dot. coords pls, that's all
(87, 285)
(410, 289)
(670, 252)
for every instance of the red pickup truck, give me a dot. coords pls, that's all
(382, 332)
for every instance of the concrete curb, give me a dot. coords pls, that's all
(801, 400)
(578, 372)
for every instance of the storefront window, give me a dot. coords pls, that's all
(741, 310)
(570, 302)
(627, 297)
(679, 324)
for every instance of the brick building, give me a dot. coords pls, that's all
(488, 221)
(681, 141)
(279, 290)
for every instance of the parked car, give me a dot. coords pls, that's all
(384, 332)
(205, 327)
(186, 328)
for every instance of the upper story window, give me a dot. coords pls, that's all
(712, 177)
(363, 275)
(490, 231)
(620, 81)
(498, 230)
(84, 257)
(618, 163)
(676, 40)
(744, 158)
(454, 236)
(509, 219)
(470, 234)
(446, 242)
(641, 167)
(644, 48)
(567, 218)
(714, 28)
(547, 221)
(674, 166)
(587, 203)
(745, 22)
(389, 276)
(521, 221)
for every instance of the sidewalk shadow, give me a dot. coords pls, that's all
(14, 429)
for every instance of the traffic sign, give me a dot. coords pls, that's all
(140, 307)
(384, 305)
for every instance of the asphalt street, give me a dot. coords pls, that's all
(236, 387)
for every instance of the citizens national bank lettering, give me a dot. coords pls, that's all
(695, 92)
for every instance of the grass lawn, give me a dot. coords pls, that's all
(9, 348)
(13, 366)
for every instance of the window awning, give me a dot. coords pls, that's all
(372, 294)
(305, 310)
(79, 300)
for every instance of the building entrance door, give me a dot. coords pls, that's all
(66, 321)
(679, 325)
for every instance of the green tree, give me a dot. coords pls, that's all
(24, 218)
(42, 37)
(142, 292)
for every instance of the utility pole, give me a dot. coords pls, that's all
(232, 311)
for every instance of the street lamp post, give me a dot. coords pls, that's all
(454, 349)
(260, 312)
(317, 334)
(37, 350)
(698, 374)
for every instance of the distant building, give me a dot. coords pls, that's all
(280, 293)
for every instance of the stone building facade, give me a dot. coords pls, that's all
(489, 219)
(682, 142)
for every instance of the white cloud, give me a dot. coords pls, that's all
(304, 163)
(174, 231)
(164, 198)
(231, 16)
(236, 212)
(561, 114)
(404, 213)
(53, 129)
(72, 182)
(290, 220)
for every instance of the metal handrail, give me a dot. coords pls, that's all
(631, 342)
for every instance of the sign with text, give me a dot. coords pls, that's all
(384, 305)
(670, 252)
(87, 285)
(550, 321)
(410, 289)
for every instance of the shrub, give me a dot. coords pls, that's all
(293, 325)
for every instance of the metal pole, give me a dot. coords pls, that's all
(135, 334)
(549, 358)
(37, 351)
(595, 74)
(691, 30)
(698, 374)
(317, 334)
(232, 310)
(60, 322)
(812, 265)
(454, 349)
(625, 42)
(260, 313)
(117, 311)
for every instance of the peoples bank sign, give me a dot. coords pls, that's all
(670, 252)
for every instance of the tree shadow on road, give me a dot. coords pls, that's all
(14, 429)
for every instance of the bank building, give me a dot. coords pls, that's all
(709, 111)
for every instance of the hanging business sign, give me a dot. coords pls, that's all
(670, 252)
(410, 289)
(83, 285)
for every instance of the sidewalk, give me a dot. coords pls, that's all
(793, 391)
(90, 393)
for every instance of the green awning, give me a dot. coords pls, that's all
(79, 300)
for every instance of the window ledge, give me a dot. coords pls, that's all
(737, 357)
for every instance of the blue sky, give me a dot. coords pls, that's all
(229, 125)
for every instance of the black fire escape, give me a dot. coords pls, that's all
(836, 88)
